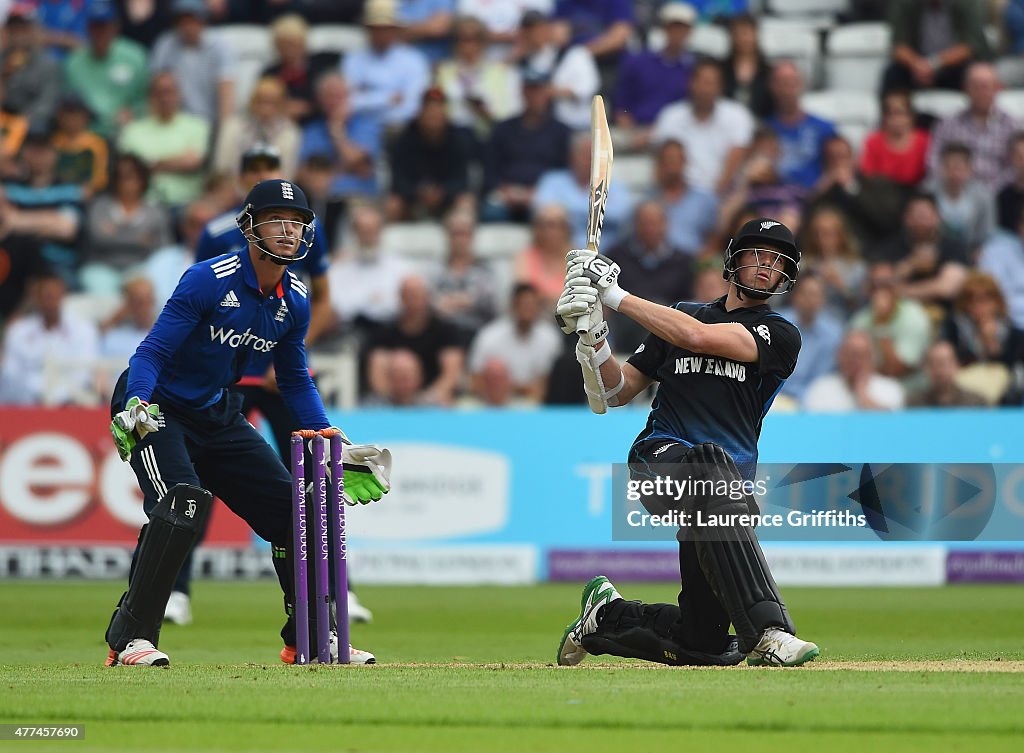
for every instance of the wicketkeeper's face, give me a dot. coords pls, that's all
(280, 229)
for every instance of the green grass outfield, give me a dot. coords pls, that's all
(471, 669)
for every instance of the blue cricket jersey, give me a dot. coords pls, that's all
(214, 326)
(221, 235)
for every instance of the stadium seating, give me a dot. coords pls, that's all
(251, 52)
(795, 41)
(705, 39)
(857, 55)
(807, 7)
(1012, 101)
(635, 172)
(855, 113)
(416, 241)
(502, 240)
(337, 38)
(939, 102)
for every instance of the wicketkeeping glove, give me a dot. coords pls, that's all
(602, 273)
(131, 425)
(367, 471)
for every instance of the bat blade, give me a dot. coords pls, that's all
(600, 180)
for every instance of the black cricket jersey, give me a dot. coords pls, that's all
(707, 398)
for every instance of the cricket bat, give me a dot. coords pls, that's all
(600, 177)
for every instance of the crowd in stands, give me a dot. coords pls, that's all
(445, 147)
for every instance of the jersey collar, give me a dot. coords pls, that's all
(249, 275)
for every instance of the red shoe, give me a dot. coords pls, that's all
(288, 654)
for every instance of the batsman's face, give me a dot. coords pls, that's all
(280, 229)
(760, 268)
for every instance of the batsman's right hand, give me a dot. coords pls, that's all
(131, 425)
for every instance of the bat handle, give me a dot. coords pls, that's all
(583, 324)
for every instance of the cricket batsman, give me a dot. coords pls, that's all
(183, 431)
(704, 420)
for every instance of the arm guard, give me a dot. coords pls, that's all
(590, 361)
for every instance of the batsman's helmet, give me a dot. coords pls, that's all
(276, 194)
(763, 235)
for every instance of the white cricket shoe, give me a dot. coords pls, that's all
(777, 648)
(355, 656)
(356, 611)
(178, 609)
(598, 592)
(138, 652)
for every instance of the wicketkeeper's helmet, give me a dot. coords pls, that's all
(276, 194)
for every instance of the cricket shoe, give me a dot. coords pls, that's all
(598, 592)
(356, 611)
(356, 656)
(178, 609)
(138, 652)
(777, 648)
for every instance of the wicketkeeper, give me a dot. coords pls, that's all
(706, 419)
(185, 435)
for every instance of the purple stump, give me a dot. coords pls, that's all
(322, 553)
(299, 551)
(340, 550)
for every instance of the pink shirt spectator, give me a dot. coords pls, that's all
(907, 166)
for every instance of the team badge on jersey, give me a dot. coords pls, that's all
(763, 331)
(282, 312)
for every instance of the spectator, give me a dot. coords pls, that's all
(200, 62)
(603, 26)
(820, 334)
(430, 163)
(802, 135)
(171, 142)
(899, 327)
(464, 287)
(46, 209)
(966, 207)
(855, 385)
(872, 205)
(402, 381)
(542, 264)
(1010, 199)
(434, 341)
(520, 151)
(979, 326)
(21, 259)
(48, 334)
(651, 268)
(690, 211)
(265, 122)
(715, 131)
(129, 325)
(365, 279)
(571, 70)
(942, 368)
(526, 341)
(480, 91)
(1013, 26)
(928, 260)
(832, 252)
(13, 128)
(494, 387)
(759, 183)
(504, 18)
(571, 189)
(747, 71)
(708, 284)
(388, 78)
(933, 43)
(82, 156)
(650, 80)
(122, 228)
(32, 79)
(427, 26)
(63, 25)
(352, 141)
(1003, 258)
(143, 22)
(296, 68)
(983, 127)
(109, 73)
(898, 149)
(315, 177)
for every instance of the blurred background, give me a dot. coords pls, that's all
(444, 146)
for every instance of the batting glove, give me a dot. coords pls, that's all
(602, 273)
